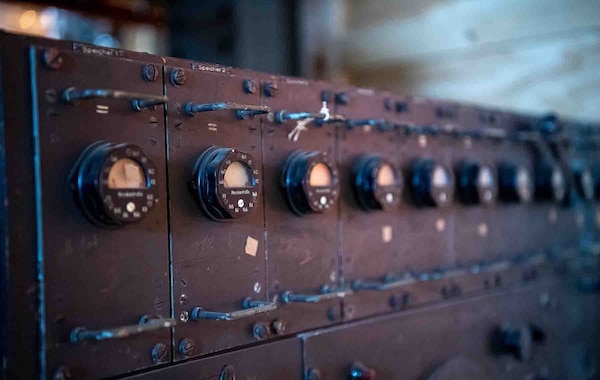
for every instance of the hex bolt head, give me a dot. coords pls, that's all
(159, 353)
(270, 89)
(278, 326)
(313, 374)
(150, 72)
(52, 58)
(341, 98)
(187, 347)
(260, 331)
(178, 77)
(250, 86)
(62, 373)
(227, 373)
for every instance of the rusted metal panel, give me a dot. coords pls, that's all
(415, 344)
(276, 360)
(87, 271)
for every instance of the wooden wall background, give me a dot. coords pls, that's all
(529, 55)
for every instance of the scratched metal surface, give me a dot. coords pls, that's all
(302, 251)
(100, 278)
(95, 277)
(277, 360)
(211, 268)
(413, 344)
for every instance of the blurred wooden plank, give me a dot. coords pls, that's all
(363, 13)
(461, 24)
(553, 73)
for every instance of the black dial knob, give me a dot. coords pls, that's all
(377, 183)
(516, 184)
(584, 182)
(359, 371)
(310, 182)
(550, 183)
(114, 184)
(226, 183)
(517, 339)
(432, 184)
(477, 184)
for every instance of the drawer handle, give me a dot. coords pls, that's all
(139, 101)
(243, 111)
(146, 324)
(390, 282)
(326, 294)
(250, 308)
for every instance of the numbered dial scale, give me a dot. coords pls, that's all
(310, 182)
(114, 183)
(432, 184)
(477, 184)
(226, 183)
(377, 183)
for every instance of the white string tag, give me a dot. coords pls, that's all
(300, 127)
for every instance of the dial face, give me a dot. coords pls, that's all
(587, 184)
(523, 183)
(127, 174)
(238, 174)
(558, 183)
(441, 181)
(486, 183)
(320, 175)
(385, 176)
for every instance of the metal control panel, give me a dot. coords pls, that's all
(166, 218)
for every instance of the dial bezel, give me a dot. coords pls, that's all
(301, 197)
(111, 207)
(545, 188)
(585, 189)
(216, 201)
(423, 191)
(470, 190)
(370, 195)
(509, 187)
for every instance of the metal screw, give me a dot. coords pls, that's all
(159, 353)
(150, 72)
(227, 373)
(52, 58)
(260, 331)
(178, 77)
(62, 373)
(313, 374)
(271, 89)
(250, 86)
(278, 326)
(187, 347)
(184, 316)
(341, 98)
